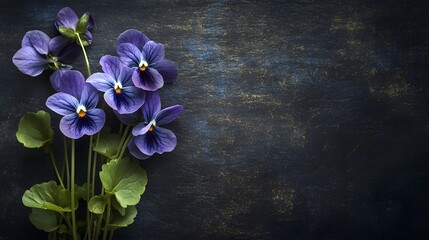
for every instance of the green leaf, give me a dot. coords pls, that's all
(118, 207)
(82, 23)
(45, 220)
(67, 32)
(48, 196)
(125, 179)
(96, 204)
(108, 144)
(34, 130)
(119, 221)
(80, 191)
(84, 39)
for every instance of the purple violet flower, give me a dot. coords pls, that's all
(150, 137)
(119, 90)
(39, 52)
(77, 103)
(146, 58)
(67, 18)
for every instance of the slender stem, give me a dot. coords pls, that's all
(107, 218)
(88, 187)
(66, 158)
(97, 233)
(84, 54)
(111, 234)
(124, 146)
(73, 189)
(67, 220)
(124, 135)
(56, 168)
(94, 167)
(121, 128)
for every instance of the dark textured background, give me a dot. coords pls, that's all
(304, 120)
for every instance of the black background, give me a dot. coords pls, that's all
(303, 120)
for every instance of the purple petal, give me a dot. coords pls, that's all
(111, 65)
(91, 22)
(134, 150)
(167, 115)
(160, 140)
(130, 55)
(96, 119)
(56, 77)
(66, 50)
(29, 61)
(128, 101)
(153, 52)
(128, 119)
(101, 81)
(89, 97)
(134, 37)
(141, 129)
(74, 127)
(88, 34)
(66, 17)
(70, 127)
(167, 69)
(152, 105)
(125, 76)
(62, 103)
(149, 80)
(72, 82)
(38, 40)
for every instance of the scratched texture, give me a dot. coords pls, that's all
(304, 119)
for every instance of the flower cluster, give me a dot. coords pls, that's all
(129, 83)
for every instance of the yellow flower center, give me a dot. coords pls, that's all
(81, 111)
(150, 129)
(118, 87)
(143, 65)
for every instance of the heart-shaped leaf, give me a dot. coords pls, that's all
(125, 179)
(96, 204)
(119, 221)
(48, 196)
(45, 220)
(34, 130)
(108, 144)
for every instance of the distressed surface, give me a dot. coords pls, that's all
(303, 120)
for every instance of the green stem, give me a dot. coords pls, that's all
(124, 146)
(84, 54)
(88, 187)
(111, 234)
(94, 167)
(56, 168)
(107, 218)
(66, 158)
(124, 135)
(74, 232)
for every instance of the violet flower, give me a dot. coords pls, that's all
(119, 90)
(146, 58)
(77, 104)
(150, 137)
(68, 24)
(39, 52)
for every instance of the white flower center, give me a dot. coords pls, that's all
(81, 111)
(143, 64)
(118, 87)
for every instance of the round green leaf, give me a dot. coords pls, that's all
(108, 144)
(45, 220)
(48, 196)
(125, 179)
(34, 130)
(96, 205)
(119, 221)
